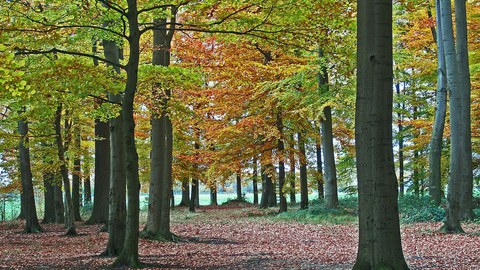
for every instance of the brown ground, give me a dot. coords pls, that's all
(236, 238)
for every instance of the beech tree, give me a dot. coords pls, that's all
(379, 229)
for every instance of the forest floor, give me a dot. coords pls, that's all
(236, 237)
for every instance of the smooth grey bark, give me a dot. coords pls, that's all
(49, 206)
(129, 254)
(69, 211)
(117, 182)
(281, 164)
(292, 176)
(239, 186)
(320, 188)
(303, 172)
(379, 244)
(255, 180)
(29, 211)
(453, 211)
(58, 202)
(401, 163)
(158, 220)
(464, 88)
(76, 196)
(436, 141)
(185, 193)
(101, 174)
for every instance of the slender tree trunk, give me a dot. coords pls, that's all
(76, 196)
(292, 176)
(379, 229)
(255, 181)
(330, 174)
(453, 213)
(281, 164)
(464, 88)
(239, 186)
(185, 193)
(193, 197)
(87, 188)
(30, 213)
(213, 194)
(303, 173)
(129, 254)
(416, 173)
(401, 173)
(69, 211)
(101, 174)
(321, 191)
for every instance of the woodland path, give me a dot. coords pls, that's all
(236, 237)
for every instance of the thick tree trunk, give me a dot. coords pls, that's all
(379, 229)
(321, 191)
(193, 196)
(281, 164)
(185, 193)
(255, 181)
(30, 213)
(58, 201)
(453, 213)
(464, 88)
(292, 176)
(87, 188)
(117, 182)
(330, 174)
(101, 174)
(213, 194)
(239, 186)
(49, 206)
(129, 254)
(303, 173)
(76, 196)
(69, 211)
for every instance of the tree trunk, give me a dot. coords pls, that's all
(292, 175)
(255, 181)
(30, 213)
(129, 254)
(464, 87)
(87, 188)
(213, 194)
(69, 211)
(158, 220)
(303, 173)
(281, 164)
(239, 186)
(58, 201)
(49, 206)
(117, 182)
(76, 196)
(330, 174)
(193, 197)
(101, 174)
(185, 193)
(380, 244)
(453, 212)
(321, 191)
(401, 169)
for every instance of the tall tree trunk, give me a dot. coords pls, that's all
(281, 164)
(58, 202)
(193, 197)
(255, 181)
(292, 175)
(30, 211)
(464, 88)
(49, 206)
(401, 173)
(267, 188)
(303, 173)
(76, 196)
(117, 183)
(158, 220)
(213, 194)
(239, 186)
(321, 191)
(87, 188)
(453, 213)
(69, 211)
(101, 174)
(416, 173)
(380, 244)
(185, 193)
(129, 254)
